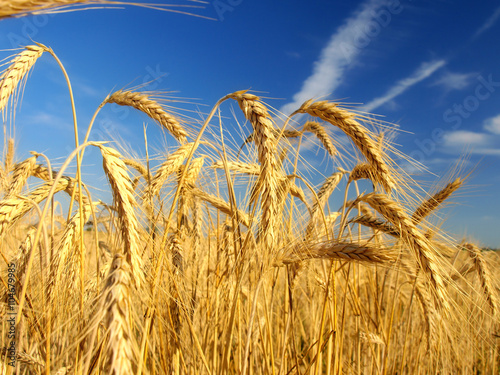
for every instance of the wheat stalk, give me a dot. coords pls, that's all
(152, 108)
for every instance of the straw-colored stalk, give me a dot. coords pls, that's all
(152, 108)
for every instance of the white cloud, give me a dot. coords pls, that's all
(488, 23)
(454, 81)
(492, 125)
(462, 138)
(423, 71)
(340, 53)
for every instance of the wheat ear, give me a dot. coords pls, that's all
(13, 209)
(484, 276)
(416, 241)
(319, 131)
(265, 140)
(170, 166)
(222, 206)
(116, 304)
(373, 222)
(322, 195)
(348, 123)
(17, 70)
(337, 250)
(239, 167)
(20, 174)
(123, 195)
(433, 202)
(152, 108)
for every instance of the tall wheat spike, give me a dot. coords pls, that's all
(119, 351)
(323, 195)
(265, 140)
(123, 195)
(17, 70)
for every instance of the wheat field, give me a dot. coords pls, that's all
(223, 256)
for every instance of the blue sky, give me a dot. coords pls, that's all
(432, 67)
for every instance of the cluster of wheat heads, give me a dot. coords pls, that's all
(217, 261)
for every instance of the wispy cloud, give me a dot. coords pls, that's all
(488, 23)
(482, 143)
(455, 81)
(492, 125)
(340, 53)
(462, 138)
(423, 71)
